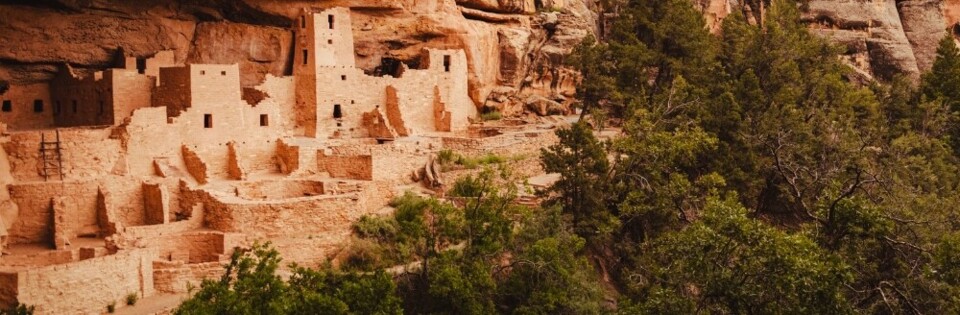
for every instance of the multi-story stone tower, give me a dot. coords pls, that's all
(334, 98)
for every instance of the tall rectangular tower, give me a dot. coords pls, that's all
(323, 40)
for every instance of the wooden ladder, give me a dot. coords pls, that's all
(51, 157)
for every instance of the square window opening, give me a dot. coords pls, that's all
(303, 21)
(446, 63)
(223, 73)
(38, 106)
(207, 120)
(305, 55)
(203, 72)
(7, 106)
(330, 20)
(343, 77)
(329, 42)
(264, 120)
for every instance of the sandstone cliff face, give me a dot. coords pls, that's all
(515, 47)
(882, 38)
(512, 49)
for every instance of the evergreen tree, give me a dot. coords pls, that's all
(943, 80)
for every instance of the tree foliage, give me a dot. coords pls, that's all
(250, 285)
(859, 181)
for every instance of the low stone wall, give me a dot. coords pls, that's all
(44, 258)
(279, 189)
(35, 221)
(179, 277)
(90, 284)
(358, 167)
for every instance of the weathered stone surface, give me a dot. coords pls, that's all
(503, 6)
(36, 39)
(877, 24)
(924, 25)
(260, 50)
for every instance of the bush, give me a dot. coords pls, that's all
(20, 309)
(112, 307)
(447, 156)
(132, 298)
(494, 115)
(383, 229)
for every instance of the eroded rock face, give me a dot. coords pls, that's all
(259, 50)
(883, 38)
(500, 6)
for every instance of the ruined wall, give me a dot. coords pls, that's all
(358, 167)
(156, 203)
(82, 101)
(125, 196)
(35, 221)
(509, 144)
(8, 289)
(91, 284)
(179, 277)
(86, 153)
(216, 113)
(356, 93)
(279, 189)
(131, 90)
(337, 93)
(173, 91)
(392, 161)
(150, 138)
(21, 114)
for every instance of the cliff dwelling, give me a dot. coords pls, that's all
(141, 179)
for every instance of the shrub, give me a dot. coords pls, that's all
(112, 307)
(447, 156)
(494, 115)
(20, 309)
(383, 229)
(132, 298)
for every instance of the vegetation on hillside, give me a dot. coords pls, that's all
(751, 177)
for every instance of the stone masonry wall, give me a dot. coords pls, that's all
(35, 222)
(358, 167)
(22, 115)
(91, 284)
(86, 153)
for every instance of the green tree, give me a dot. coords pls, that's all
(581, 160)
(727, 263)
(943, 80)
(250, 285)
